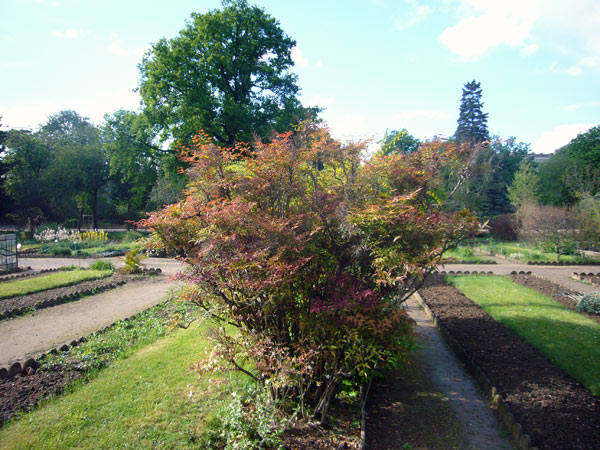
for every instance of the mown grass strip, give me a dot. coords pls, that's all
(149, 400)
(54, 280)
(569, 339)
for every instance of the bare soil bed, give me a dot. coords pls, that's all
(556, 411)
(22, 393)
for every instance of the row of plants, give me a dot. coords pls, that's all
(56, 240)
(531, 252)
(308, 250)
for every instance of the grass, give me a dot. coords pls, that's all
(149, 400)
(54, 280)
(569, 339)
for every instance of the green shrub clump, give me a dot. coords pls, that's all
(102, 265)
(590, 303)
(60, 251)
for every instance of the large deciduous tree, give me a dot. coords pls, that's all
(80, 166)
(28, 159)
(472, 121)
(227, 73)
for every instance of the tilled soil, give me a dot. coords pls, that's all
(22, 393)
(34, 301)
(556, 411)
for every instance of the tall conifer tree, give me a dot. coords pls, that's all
(472, 121)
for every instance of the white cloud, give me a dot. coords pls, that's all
(117, 49)
(323, 102)
(576, 106)
(567, 28)
(529, 50)
(71, 33)
(421, 114)
(560, 135)
(319, 63)
(298, 57)
(418, 12)
(492, 24)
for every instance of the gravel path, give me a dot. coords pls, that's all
(481, 427)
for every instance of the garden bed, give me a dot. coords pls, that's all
(554, 410)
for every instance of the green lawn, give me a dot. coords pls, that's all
(54, 280)
(149, 400)
(569, 339)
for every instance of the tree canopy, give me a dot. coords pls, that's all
(226, 73)
(472, 121)
(399, 142)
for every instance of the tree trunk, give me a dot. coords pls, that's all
(95, 210)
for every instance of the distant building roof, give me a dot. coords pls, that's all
(540, 157)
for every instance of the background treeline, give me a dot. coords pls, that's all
(209, 79)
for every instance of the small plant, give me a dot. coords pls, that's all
(132, 261)
(590, 303)
(69, 268)
(466, 251)
(102, 265)
(60, 251)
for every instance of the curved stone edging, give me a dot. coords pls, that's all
(521, 438)
(29, 275)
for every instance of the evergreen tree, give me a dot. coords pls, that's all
(472, 121)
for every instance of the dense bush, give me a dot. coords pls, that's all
(504, 227)
(308, 251)
(590, 303)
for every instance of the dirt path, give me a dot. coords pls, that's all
(48, 328)
(481, 428)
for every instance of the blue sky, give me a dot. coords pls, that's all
(373, 64)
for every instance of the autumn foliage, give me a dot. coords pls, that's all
(309, 250)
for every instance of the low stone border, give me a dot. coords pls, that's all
(562, 263)
(593, 278)
(28, 275)
(522, 439)
(483, 262)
